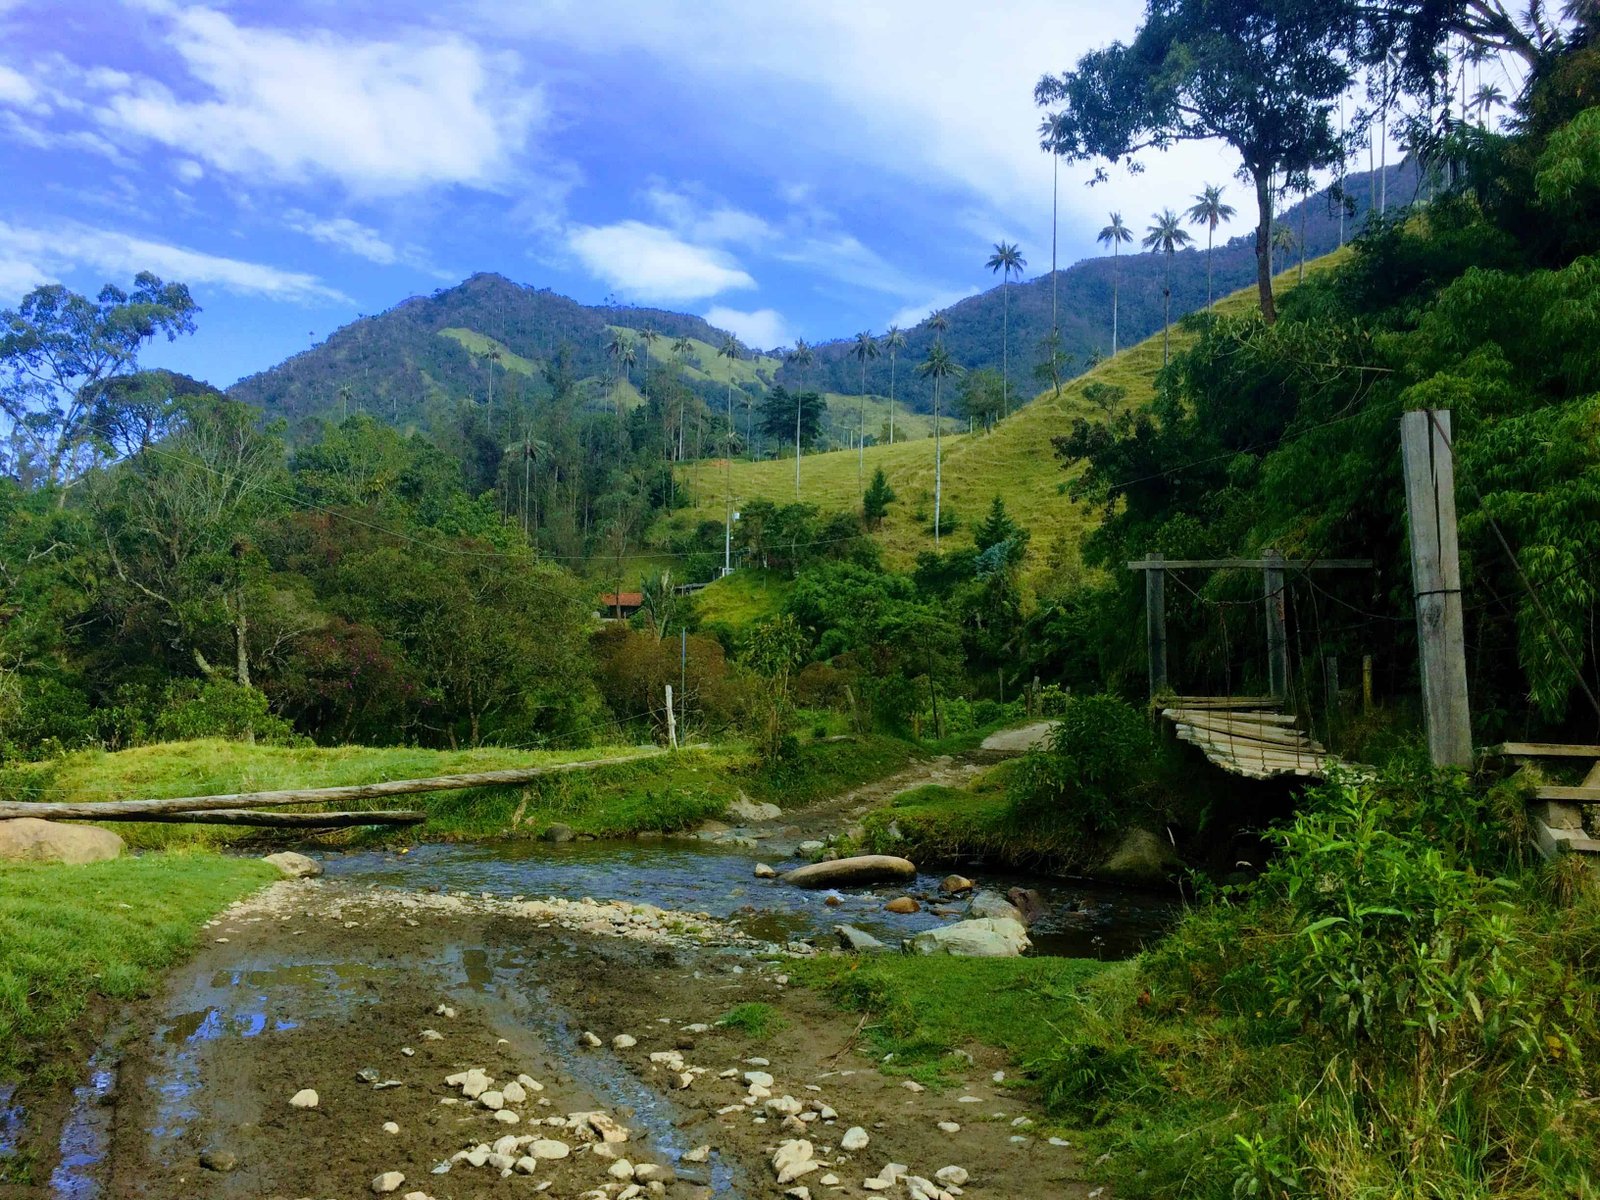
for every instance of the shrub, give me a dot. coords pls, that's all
(194, 708)
(1098, 750)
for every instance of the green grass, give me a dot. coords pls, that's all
(481, 344)
(924, 1010)
(755, 1019)
(72, 935)
(736, 602)
(1015, 462)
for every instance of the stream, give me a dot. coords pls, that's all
(1084, 919)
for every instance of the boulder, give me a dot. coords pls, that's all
(558, 833)
(994, 907)
(858, 940)
(865, 868)
(765, 872)
(1141, 857)
(294, 866)
(903, 905)
(28, 839)
(956, 885)
(984, 938)
(748, 810)
(1029, 903)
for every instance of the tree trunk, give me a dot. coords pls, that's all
(861, 442)
(1211, 235)
(891, 397)
(1116, 278)
(938, 466)
(1269, 310)
(1005, 345)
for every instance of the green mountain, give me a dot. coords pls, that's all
(432, 351)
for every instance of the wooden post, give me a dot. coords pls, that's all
(1366, 682)
(672, 721)
(1330, 680)
(1155, 624)
(1436, 583)
(1000, 682)
(1272, 587)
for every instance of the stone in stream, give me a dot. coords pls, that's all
(558, 833)
(699, 1154)
(995, 907)
(294, 866)
(984, 938)
(28, 839)
(902, 905)
(1029, 903)
(389, 1181)
(956, 885)
(765, 872)
(865, 868)
(304, 1098)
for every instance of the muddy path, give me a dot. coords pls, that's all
(377, 1000)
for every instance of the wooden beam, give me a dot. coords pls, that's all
(325, 795)
(1544, 750)
(1585, 795)
(1157, 563)
(1250, 716)
(271, 820)
(1224, 702)
(1436, 582)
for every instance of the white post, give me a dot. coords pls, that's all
(672, 722)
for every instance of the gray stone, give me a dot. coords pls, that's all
(984, 938)
(994, 907)
(294, 866)
(389, 1181)
(1141, 857)
(858, 940)
(865, 868)
(558, 833)
(956, 885)
(28, 839)
(765, 872)
(1029, 903)
(746, 809)
(219, 1160)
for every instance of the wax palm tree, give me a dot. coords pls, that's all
(1115, 235)
(1281, 242)
(1050, 143)
(681, 349)
(1488, 98)
(1164, 236)
(938, 366)
(893, 341)
(1006, 259)
(866, 346)
(939, 322)
(801, 358)
(648, 336)
(730, 351)
(1210, 211)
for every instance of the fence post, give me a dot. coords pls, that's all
(1155, 623)
(672, 721)
(1272, 586)
(1436, 583)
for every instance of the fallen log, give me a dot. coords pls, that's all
(51, 811)
(273, 820)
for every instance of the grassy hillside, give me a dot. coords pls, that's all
(1015, 462)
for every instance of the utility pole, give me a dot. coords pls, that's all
(1436, 583)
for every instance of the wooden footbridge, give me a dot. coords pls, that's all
(1248, 736)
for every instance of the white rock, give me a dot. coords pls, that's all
(787, 1105)
(949, 1127)
(765, 872)
(799, 1193)
(527, 1164)
(444, 1010)
(304, 1098)
(685, 1079)
(699, 1154)
(969, 1100)
(506, 1144)
(416, 1196)
(855, 1138)
(529, 1082)
(548, 1148)
(758, 1079)
(389, 1181)
(793, 1159)
(475, 1084)
(911, 1085)
(624, 1041)
(432, 1035)
(621, 1169)
(478, 1155)
(390, 1127)
(457, 1079)
(955, 1175)
(876, 1185)
(513, 1093)
(759, 1092)
(589, 1039)
(506, 1117)
(893, 1171)
(492, 1099)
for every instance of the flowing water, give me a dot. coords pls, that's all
(1084, 919)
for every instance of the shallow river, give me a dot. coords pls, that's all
(1085, 920)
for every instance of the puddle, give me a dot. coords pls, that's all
(1085, 920)
(10, 1120)
(86, 1135)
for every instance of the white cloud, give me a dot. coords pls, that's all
(345, 234)
(18, 276)
(762, 329)
(654, 264)
(16, 90)
(378, 116)
(704, 220)
(913, 314)
(36, 254)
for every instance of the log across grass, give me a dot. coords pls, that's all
(665, 793)
(74, 935)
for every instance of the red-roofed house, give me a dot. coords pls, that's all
(620, 605)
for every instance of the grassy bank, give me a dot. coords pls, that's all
(70, 936)
(1399, 1007)
(662, 794)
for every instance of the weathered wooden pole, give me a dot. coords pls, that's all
(1155, 622)
(1436, 583)
(1272, 587)
(1366, 683)
(672, 722)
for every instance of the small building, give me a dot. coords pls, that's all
(619, 606)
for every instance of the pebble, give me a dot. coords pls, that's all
(699, 1154)
(969, 1100)
(432, 1035)
(1055, 1141)
(390, 1127)
(829, 1180)
(911, 1085)
(304, 1098)
(389, 1181)
(949, 1127)
(624, 1041)
(506, 1117)
(549, 1148)
(902, 904)
(589, 1039)
(407, 1051)
(999, 1077)
(855, 1138)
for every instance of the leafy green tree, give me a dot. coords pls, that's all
(1210, 210)
(938, 366)
(1116, 235)
(893, 342)
(1261, 75)
(876, 500)
(1005, 260)
(864, 348)
(59, 356)
(981, 397)
(1164, 237)
(773, 650)
(782, 409)
(998, 530)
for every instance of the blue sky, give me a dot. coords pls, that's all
(809, 169)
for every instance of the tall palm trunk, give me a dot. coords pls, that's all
(1166, 312)
(797, 402)
(1005, 344)
(891, 397)
(861, 437)
(938, 466)
(1116, 280)
(1211, 233)
(1055, 209)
